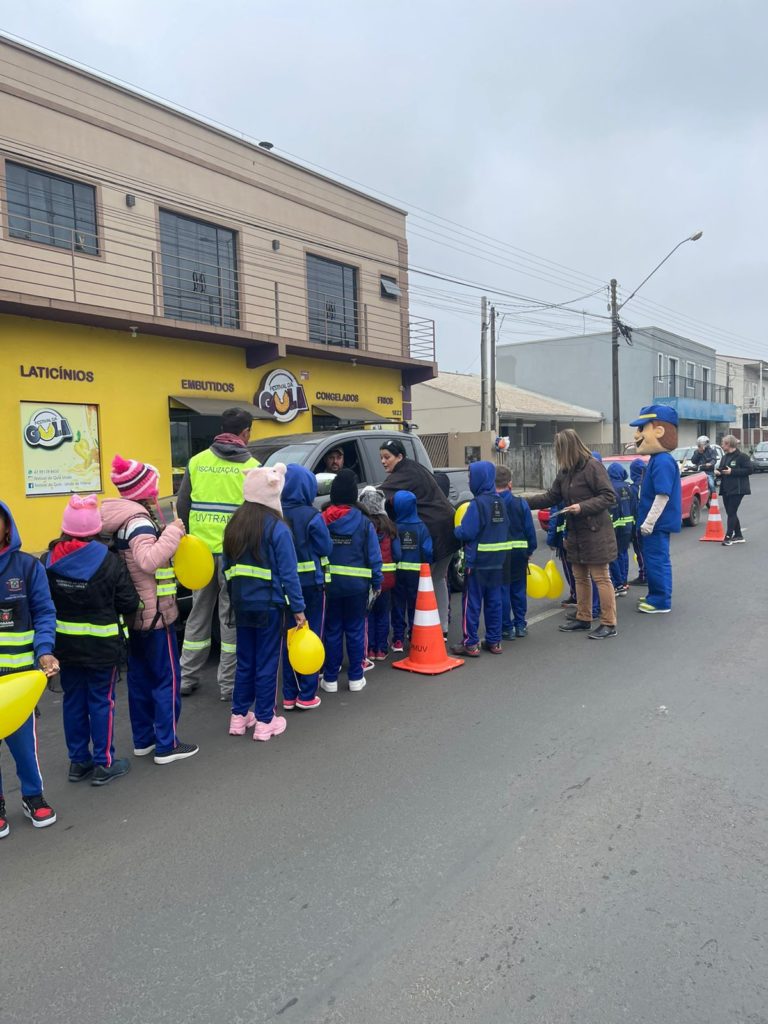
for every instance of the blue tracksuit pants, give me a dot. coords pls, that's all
(378, 623)
(345, 617)
(619, 569)
(88, 710)
(475, 597)
(658, 569)
(258, 666)
(23, 745)
(404, 602)
(154, 700)
(637, 544)
(514, 605)
(295, 685)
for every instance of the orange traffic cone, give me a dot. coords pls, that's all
(714, 530)
(427, 653)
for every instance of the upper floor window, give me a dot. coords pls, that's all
(660, 364)
(332, 302)
(51, 210)
(390, 289)
(199, 271)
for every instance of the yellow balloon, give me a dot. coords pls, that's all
(537, 585)
(555, 580)
(19, 692)
(193, 563)
(460, 513)
(305, 651)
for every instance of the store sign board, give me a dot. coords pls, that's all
(61, 450)
(281, 395)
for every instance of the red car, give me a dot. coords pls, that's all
(695, 491)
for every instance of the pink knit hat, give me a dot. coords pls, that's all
(82, 517)
(134, 480)
(265, 485)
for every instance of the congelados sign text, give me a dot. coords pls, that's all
(335, 396)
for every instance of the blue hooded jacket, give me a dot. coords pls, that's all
(275, 581)
(27, 614)
(356, 555)
(415, 541)
(621, 513)
(522, 532)
(484, 530)
(310, 534)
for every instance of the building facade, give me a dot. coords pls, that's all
(748, 379)
(157, 270)
(657, 366)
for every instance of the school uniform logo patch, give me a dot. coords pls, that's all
(6, 617)
(15, 584)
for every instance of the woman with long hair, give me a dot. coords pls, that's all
(584, 487)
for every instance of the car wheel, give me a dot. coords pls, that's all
(695, 513)
(456, 572)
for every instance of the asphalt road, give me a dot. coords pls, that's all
(571, 832)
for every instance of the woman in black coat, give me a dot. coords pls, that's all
(733, 473)
(435, 511)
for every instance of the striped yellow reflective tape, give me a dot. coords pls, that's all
(305, 566)
(503, 545)
(250, 571)
(228, 648)
(624, 521)
(410, 566)
(165, 581)
(389, 566)
(349, 570)
(17, 639)
(17, 660)
(196, 645)
(87, 629)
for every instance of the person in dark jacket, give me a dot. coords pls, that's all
(636, 471)
(261, 570)
(522, 534)
(92, 591)
(484, 532)
(313, 548)
(705, 459)
(355, 576)
(623, 522)
(733, 473)
(415, 548)
(435, 511)
(27, 636)
(590, 546)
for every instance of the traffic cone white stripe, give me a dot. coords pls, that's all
(431, 617)
(425, 583)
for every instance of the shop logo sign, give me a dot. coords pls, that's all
(47, 429)
(281, 395)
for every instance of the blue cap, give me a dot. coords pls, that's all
(655, 414)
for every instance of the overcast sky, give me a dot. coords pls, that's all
(590, 134)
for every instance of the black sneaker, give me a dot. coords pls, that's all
(507, 634)
(40, 813)
(574, 624)
(727, 542)
(5, 828)
(79, 770)
(637, 582)
(521, 632)
(179, 752)
(102, 775)
(467, 651)
(603, 632)
(738, 540)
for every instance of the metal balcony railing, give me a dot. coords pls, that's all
(678, 385)
(421, 335)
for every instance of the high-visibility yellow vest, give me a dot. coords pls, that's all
(217, 491)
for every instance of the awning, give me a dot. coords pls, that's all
(216, 406)
(352, 413)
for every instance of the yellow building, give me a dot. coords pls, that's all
(157, 270)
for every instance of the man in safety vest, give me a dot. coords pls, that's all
(210, 492)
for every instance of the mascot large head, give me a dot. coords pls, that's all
(656, 429)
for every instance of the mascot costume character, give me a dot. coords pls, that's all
(659, 511)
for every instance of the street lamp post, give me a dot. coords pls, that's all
(615, 308)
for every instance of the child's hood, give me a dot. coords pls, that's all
(300, 486)
(116, 511)
(14, 543)
(482, 478)
(617, 473)
(80, 564)
(636, 469)
(348, 523)
(404, 505)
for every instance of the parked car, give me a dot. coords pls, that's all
(695, 487)
(760, 458)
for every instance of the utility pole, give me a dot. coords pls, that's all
(484, 363)
(492, 374)
(615, 369)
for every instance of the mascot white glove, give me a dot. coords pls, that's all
(658, 506)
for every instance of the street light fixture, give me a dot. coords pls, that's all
(615, 307)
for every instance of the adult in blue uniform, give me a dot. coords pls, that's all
(659, 510)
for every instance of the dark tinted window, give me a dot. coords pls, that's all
(52, 210)
(199, 271)
(332, 300)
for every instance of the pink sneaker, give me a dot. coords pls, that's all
(266, 730)
(289, 705)
(239, 723)
(380, 656)
(307, 705)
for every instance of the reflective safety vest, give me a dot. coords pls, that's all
(17, 650)
(217, 492)
(165, 581)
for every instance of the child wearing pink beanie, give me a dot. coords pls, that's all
(261, 570)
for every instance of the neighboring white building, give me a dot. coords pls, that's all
(749, 380)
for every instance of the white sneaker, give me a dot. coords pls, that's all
(355, 685)
(368, 665)
(328, 686)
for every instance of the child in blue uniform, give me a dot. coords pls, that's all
(27, 634)
(260, 567)
(623, 521)
(415, 548)
(484, 532)
(355, 568)
(92, 591)
(636, 471)
(313, 546)
(372, 502)
(522, 535)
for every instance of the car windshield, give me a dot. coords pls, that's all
(297, 453)
(681, 453)
(762, 447)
